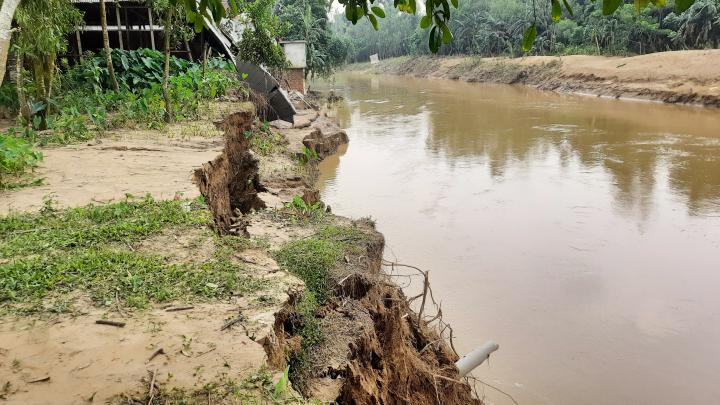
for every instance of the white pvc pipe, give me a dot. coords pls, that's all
(475, 358)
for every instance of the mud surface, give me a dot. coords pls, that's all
(102, 172)
(678, 77)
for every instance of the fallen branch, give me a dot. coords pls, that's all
(116, 324)
(156, 353)
(37, 380)
(152, 387)
(175, 309)
(233, 321)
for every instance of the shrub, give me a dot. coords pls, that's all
(16, 156)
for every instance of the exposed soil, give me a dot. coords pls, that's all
(101, 172)
(687, 77)
(70, 359)
(377, 351)
(230, 182)
(376, 348)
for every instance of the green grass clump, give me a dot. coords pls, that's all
(128, 221)
(50, 254)
(137, 279)
(311, 259)
(266, 142)
(312, 335)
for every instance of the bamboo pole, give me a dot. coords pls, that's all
(79, 44)
(152, 30)
(117, 18)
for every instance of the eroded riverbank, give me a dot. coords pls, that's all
(581, 234)
(200, 317)
(677, 77)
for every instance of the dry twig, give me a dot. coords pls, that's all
(116, 324)
(152, 387)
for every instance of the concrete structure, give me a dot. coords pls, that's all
(132, 25)
(294, 76)
(374, 59)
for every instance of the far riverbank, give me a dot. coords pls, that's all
(678, 77)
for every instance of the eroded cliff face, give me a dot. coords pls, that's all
(230, 183)
(375, 349)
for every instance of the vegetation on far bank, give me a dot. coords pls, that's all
(497, 28)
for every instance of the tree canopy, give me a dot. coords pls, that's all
(498, 27)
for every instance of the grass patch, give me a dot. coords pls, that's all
(266, 142)
(258, 388)
(52, 253)
(22, 181)
(312, 335)
(134, 219)
(311, 260)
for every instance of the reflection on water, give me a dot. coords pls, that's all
(582, 234)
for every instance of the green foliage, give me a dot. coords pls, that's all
(307, 20)
(85, 100)
(438, 18)
(301, 207)
(16, 156)
(55, 252)
(309, 155)
(135, 70)
(43, 26)
(507, 27)
(69, 126)
(312, 259)
(282, 385)
(258, 43)
(311, 334)
(266, 142)
(8, 100)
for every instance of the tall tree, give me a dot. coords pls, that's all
(42, 35)
(106, 46)
(7, 11)
(167, 34)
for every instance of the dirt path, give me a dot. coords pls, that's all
(101, 172)
(689, 77)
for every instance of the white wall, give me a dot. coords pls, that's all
(295, 53)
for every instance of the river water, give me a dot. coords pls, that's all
(581, 234)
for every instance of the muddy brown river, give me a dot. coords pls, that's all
(581, 234)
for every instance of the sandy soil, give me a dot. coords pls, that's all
(73, 360)
(107, 170)
(690, 77)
